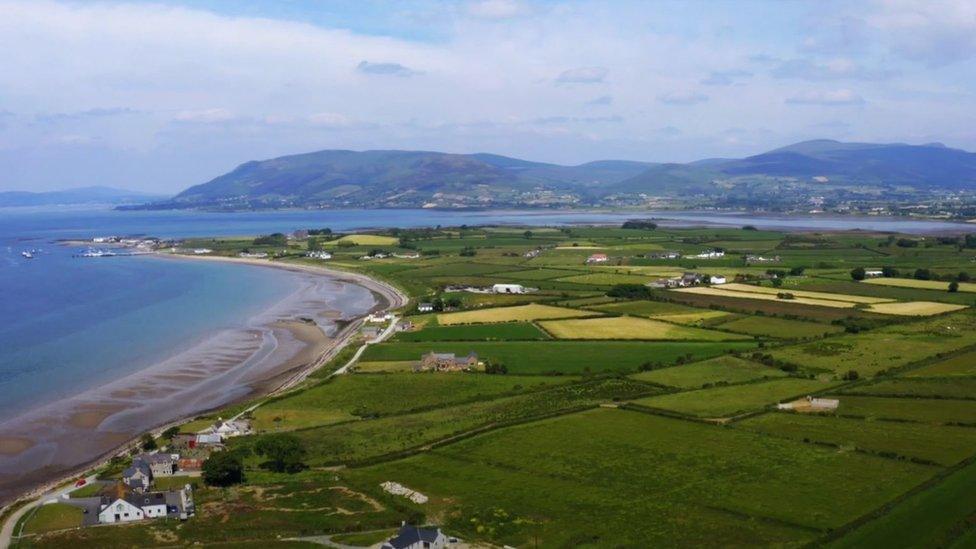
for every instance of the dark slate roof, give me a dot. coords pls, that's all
(409, 535)
(154, 458)
(141, 500)
(136, 466)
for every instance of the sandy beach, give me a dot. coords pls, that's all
(277, 349)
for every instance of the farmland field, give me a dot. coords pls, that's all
(960, 387)
(512, 331)
(502, 478)
(719, 291)
(509, 314)
(606, 279)
(779, 327)
(672, 312)
(936, 411)
(945, 445)
(367, 240)
(362, 440)
(935, 517)
(723, 369)
(960, 365)
(885, 348)
(735, 399)
(923, 284)
(352, 397)
(565, 357)
(629, 327)
(914, 308)
(748, 288)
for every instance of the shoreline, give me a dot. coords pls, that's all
(315, 348)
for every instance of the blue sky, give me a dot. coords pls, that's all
(157, 95)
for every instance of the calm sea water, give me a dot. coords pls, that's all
(68, 324)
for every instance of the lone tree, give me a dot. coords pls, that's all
(857, 273)
(953, 286)
(147, 442)
(223, 469)
(283, 451)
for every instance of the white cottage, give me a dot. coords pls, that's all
(120, 510)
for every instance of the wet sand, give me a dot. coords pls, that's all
(277, 347)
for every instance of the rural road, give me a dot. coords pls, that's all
(7, 532)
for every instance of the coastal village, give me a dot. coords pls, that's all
(509, 341)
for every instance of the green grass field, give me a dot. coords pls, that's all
(960, 365)
(945, 445)
(604, 463)
(510, 331)
(935, 411)
(565, 357)
(723, 369)
(606, 279)
(53, 516)
(938, 516)
(630, 327)
(885, 348)
(736, 399)
(356, 396)
(362, 440)
(961, 388)
(779, 327)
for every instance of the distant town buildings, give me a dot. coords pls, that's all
(597, 258)
(425, 307)
(708, 254)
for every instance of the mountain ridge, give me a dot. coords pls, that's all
(403, 178)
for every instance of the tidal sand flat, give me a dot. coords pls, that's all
(235, 360)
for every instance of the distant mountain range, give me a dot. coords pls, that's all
(81, 195)
(392, 178)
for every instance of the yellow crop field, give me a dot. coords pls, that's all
(629, 327)
(803, 293)
(368, 240)
(531, 311)
(720, 291)
(914, 308)
(920, 284)
(691, 318)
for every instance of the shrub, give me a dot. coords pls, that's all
(953, 286)
(630, 291)
(857, 273)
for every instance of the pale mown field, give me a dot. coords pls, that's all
(531, 311)
(628, 327)
(922, 284)
(914, 308)
(804, 293)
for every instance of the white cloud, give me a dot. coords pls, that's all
(582, 75)
(682, 98)
(205, 116)
(826, 97)
(497, 9)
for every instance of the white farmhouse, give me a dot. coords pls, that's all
(716, 280)
(121, 510)
(508, 289)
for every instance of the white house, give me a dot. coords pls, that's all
(319, 255)
(508, 289)
(709, 254)
(597, 258)
(120, 510)
(717, 280)
(413, 537)
(425, 307)
(232, 428)
(202, 251)
(379, 318)
(873, 273)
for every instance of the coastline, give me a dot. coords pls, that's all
(242, 366)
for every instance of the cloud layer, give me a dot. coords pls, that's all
(159, 96)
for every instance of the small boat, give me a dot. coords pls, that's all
(27, 255)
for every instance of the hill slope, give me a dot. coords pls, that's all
(82, 195)
(342, 178)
